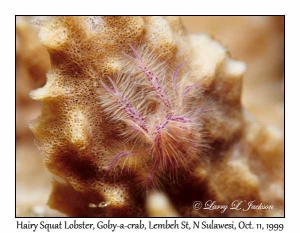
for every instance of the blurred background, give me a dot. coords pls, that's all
(256, 40)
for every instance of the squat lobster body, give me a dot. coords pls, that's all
(171, 131)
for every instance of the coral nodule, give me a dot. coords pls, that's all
(137, 104)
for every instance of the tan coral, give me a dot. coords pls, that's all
(32, 64)
(256, 40)
(218, 152)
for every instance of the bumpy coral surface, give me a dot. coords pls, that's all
(136, 104)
